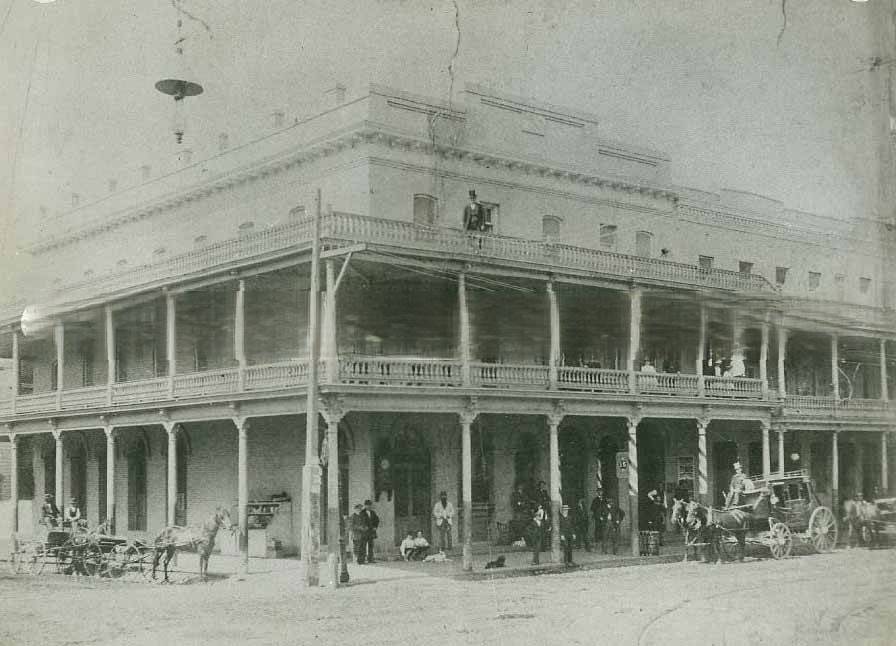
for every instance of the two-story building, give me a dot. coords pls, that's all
(606, 330)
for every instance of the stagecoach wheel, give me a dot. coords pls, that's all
(823, 530)
(92, 559)
(726, 544)
(780, 540)
(117, 562)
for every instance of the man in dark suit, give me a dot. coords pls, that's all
(372, 521)
(359, 534)
(474, 214)
(567, 534)
(599, 510)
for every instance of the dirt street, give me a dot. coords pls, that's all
(848, 597)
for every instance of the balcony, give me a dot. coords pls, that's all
(344, 229)
(829, 406)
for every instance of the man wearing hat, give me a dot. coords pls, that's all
(474, 214)
(72, 514)
(359, 532)
(567, 534)
(49, 512)
(736, 487)
(443, 515)
(372, 521)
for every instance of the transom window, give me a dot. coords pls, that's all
(644, 244)
(745, 267)
(550, 227)
(705, 262)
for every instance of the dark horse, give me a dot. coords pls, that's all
(200, 539)
(737, 521)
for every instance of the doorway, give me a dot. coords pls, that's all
(724, 456)
(78, 475)
(411, 480)
(137, 486)
(573, 466)
(651, 467)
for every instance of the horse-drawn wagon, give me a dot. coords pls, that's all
(772, 513)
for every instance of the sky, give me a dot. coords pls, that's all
(774, 98)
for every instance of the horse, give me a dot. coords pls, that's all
(737, 521)
(201, 539)
(860, 517)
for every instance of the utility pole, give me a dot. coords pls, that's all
(311, 470)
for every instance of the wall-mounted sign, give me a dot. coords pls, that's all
(622, 464)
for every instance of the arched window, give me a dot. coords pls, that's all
(644, 244)
(425, 209)
(550, 227)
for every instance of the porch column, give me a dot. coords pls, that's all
(464, 324)
(554, 359)
(766, 451)
(110, 477)
(466, 420)
(858, 474)
(884, 391)
(702, 470)
(736, 331)
(242, 495)
(328, 341)
(15, 368)
(58, 492)
(333, 414)
(763, 359)
(110, 353)
(634, 336)
(59, 341)
(884, 480)
(171, 429)
(632, 425)
(835, 474)
(781, 456)
(835, 371)
(239, 332)
(782, 352)
(554, 419)
(701, 350)
(14, 480)
(171, 341)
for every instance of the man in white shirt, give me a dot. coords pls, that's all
(443, 515)
(407, 547)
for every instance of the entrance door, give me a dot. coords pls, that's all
(180, 503)
(573, 466)
(78, 466)
(724, 456)
(651, 467)
(137, 487)
(411, 479)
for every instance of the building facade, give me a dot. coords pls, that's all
(605, 329)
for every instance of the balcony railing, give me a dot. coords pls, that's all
(339, 229)
(830, 404)
(420, 372)
(734, 387)
(400, 370)
(592, 379)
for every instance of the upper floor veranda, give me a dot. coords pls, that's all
(417, 313)
(560, 194)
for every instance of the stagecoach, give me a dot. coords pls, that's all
(66, 551)
(773, 513)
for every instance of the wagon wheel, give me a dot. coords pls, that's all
(65, 559)
(780, 540)
(726, 544)
(118, 562)
(823, 529)
(92, 559)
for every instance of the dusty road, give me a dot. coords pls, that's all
(848, 597)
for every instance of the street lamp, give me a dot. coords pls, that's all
(179, 89)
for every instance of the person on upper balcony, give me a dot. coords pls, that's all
(475, 217)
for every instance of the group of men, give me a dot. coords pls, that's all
(52, 518)
(364, 523)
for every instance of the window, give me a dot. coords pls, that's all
(864, 285)
(425, 209)
(550, 227)
(705, 262)
(781, 275)
(745, 267)
(85, 350)
(814, 279)
(644, 244)
(54, 375)
(492, 210)
(608, 236)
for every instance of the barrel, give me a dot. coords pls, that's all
(649, 543)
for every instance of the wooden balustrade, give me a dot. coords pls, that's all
(400, 370)
(592, 379)
(493, 375)
(735, 387)
(84, 398)
(209, 382)
(661, 383)
(275, 376)
(145, 390)
(39, 403)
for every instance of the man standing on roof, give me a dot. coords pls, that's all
(736, 487)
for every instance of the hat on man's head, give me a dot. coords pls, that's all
(367, 502)
(472, 192)
(443, 494)
(359, 506)
(652, 493)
